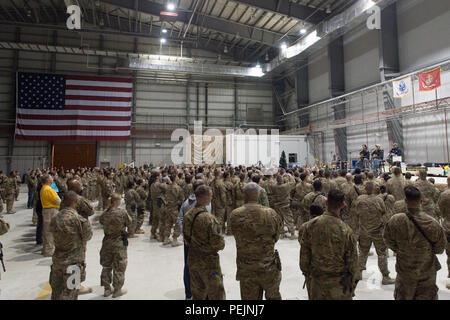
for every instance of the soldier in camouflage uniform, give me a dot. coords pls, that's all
(219, 200)
(396, 184)
(174, 198)
(201, 231)
(131, 201)
(100, 178)
(282, 202)
(4, 228)
(118, 182)
(417, 263)
(389, 202)
(108, 188)
(113, 254)
(371, 214)
(18, 183)
(444, 206)
(229, 203)
(70, 232)
(256, 230)
(430, 194)
(140, 208)
(238, 192)
(263, 199)
(10, 190)
(316, 197)
(329, 255)
(60, 182)
(188, 188)
(158, 194)
(301, 190)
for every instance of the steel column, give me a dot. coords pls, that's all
(337, 88)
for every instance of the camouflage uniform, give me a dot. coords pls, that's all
(203, 258)
(256, 230)
(70, 232)
(229, 204)
(10, 189)
(417, 263)
(400, 206)
(347, 213)
(175, 198)
(389, 202)
(18, 183)
(395, 187)
(263, 198)
(188, 189)
(430, 195)
(238, 194)
(62, 185)
(118, 183)
(328, 253)
(281, 204)
(158, 191)
(314, 197)
(444, 205)
(219, 201)
(113, 254)
(371, 212)
(100, 179)
(108, 188)
(131, 200)
(300, 215)
(140, 207)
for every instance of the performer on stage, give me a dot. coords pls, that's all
(364, 152)
(377, 157)
(395, 151)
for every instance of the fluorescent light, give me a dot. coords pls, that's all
(303, 30)
(164, 30)
(283, 46)
(170, 6)
(163, 40)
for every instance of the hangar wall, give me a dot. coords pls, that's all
(424, 40)
(160, 100)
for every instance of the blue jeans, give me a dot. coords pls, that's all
(30, 198)
(376, 164)
(187, 275)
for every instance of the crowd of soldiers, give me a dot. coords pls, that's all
(335, 215)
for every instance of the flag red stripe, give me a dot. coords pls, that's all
(70, 117)
(98, 108)
(95, 78)
(95, 98)
(65, 127)
(98, 88)
(71, 138)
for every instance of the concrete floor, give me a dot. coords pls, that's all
(155, 271)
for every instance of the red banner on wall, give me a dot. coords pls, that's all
(430, 80)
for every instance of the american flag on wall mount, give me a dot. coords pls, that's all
(73, 108)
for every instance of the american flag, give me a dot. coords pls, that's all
(67, 107)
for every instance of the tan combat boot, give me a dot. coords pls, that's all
(118, 293)
(166, 241)
(140, 231)
(84, 290)
(107, 292)
(176, 243)
(387, 280)
(133, 236)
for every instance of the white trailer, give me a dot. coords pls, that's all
(248, 150)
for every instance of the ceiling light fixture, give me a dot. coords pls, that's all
(163, 40)
(164, 30)
(283, 46)
(303, 30)
(170, 6)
